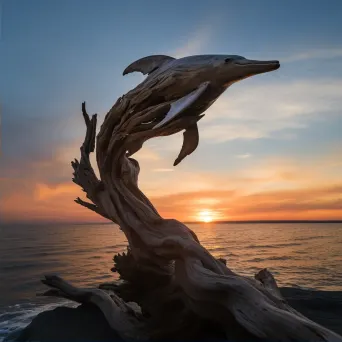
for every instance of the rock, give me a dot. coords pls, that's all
(323, 307)
(86, 323)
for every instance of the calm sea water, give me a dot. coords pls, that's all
(304, 255)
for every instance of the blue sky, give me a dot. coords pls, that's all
(56, 54)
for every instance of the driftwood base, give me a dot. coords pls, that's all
(155, 308)
(166, 271)
(86, 323)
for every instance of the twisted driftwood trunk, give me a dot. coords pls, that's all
(181, 288)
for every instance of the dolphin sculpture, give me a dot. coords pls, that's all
(202, 79)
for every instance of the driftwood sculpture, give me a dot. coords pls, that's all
(172, 288)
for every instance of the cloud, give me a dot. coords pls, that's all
(188, 204)
(289, 173)
(38, 186)
(147, 153)
(328, 53)
(40, 202)
(220, 133)
(35, 176)
(266, 188)
(275, 110)
(261, 173)
(262, 111)
(303, 203)
(48, 192)
(193, 44)
(243, 156)
(167, 145)
(163, 170)
(153, 184)
(196, 43)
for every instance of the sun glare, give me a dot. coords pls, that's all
(205, 216)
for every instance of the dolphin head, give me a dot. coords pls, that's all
(232, 68)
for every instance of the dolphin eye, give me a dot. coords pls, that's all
(227, 60)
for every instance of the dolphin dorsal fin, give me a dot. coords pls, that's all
(147, 64)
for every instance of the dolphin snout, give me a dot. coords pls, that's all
(265, 65)
(248, 67)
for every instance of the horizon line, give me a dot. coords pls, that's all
(185, 222)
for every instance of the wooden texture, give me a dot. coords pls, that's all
(178, 284)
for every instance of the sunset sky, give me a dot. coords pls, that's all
(270, 147)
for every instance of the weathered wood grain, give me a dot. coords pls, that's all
(193, 286)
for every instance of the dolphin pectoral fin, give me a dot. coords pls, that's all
(190, 143)
(147, 64)
(183, 103)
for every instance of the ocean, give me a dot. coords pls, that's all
(305, 255)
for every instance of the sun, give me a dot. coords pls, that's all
(205, 216)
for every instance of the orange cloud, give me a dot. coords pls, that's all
(44, 192)
(46, 203)
(316, 203)
(269, 188)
